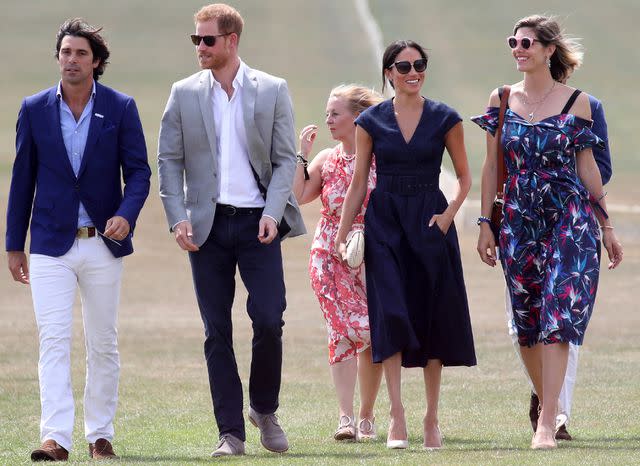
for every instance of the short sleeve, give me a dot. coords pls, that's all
(489, 120)
(583, 137)
(365, 120)
(452, 118)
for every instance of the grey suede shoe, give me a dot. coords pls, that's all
(229, 446)
(272, 436)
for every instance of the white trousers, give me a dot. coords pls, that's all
(90, 266)
(566, 394)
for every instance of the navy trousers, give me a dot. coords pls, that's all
(233, 241)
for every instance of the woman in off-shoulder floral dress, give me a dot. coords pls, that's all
(549, 239)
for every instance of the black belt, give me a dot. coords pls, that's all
(407, 184)
(229, 210)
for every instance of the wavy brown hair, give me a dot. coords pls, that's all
(568, 55)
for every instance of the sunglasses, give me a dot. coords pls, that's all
(209, 41)
(404, 67)
(525, 42)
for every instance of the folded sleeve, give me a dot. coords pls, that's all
(489, 120)
(583, 137)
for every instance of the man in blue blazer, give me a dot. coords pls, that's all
(75, 144)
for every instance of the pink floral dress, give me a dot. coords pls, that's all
(340, 290)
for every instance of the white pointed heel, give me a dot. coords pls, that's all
(397, 444)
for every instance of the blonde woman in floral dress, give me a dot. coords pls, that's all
(340, 289)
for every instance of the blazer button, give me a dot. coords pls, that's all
(77, 187)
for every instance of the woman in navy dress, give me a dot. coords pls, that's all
(549, 238)
(418, 309)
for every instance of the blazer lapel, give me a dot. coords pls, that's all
(95, 127)
(254, 141)
(53, 119)
(206, 108)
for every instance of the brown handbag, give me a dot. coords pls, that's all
(498, 203)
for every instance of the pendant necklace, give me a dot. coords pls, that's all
(538, 103)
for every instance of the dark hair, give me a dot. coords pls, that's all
(568, 55)
(392, 52)
(77, 27)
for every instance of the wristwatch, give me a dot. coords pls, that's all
(300, 160)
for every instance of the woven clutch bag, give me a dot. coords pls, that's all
(355, 248)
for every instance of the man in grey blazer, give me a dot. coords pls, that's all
(226, 161)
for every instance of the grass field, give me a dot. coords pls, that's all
(164, 415)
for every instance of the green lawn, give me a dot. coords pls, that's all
(165, 417)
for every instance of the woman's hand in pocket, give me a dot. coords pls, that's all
(442, 221)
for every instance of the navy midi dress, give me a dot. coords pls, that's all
(415, 287)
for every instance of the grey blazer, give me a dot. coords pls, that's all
(187, 166)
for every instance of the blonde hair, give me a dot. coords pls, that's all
(228, 19)
(569, 52)
(358, 98)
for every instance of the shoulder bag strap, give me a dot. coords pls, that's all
(503, 92)
(571, 101)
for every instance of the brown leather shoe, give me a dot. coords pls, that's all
(101, 450)
(562, 433)
(534, 411)
(50, 451)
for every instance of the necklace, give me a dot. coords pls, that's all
(346, 157)
(538, 103)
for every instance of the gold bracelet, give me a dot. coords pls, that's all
(606, 227)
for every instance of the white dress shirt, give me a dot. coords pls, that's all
(238, 186)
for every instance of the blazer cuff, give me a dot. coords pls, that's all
(177, 223)
(269, 216)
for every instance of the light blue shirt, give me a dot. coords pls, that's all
(74, 134)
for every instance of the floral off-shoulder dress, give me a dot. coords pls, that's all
(340, 290)
(549, 240)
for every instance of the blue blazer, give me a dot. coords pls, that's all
(602, 156)
(44, 189)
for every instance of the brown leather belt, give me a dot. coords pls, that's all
(86, 232)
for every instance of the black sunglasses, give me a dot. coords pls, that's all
(209, 41)
(404, 67)
(526, 42)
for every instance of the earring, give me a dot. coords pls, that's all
(549, 62)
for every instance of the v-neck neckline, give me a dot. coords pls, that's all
(395, 119)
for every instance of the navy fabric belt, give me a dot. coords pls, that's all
(407, 184)
(229, 210)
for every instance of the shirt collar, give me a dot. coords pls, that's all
(238, 81)
(59, 90)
